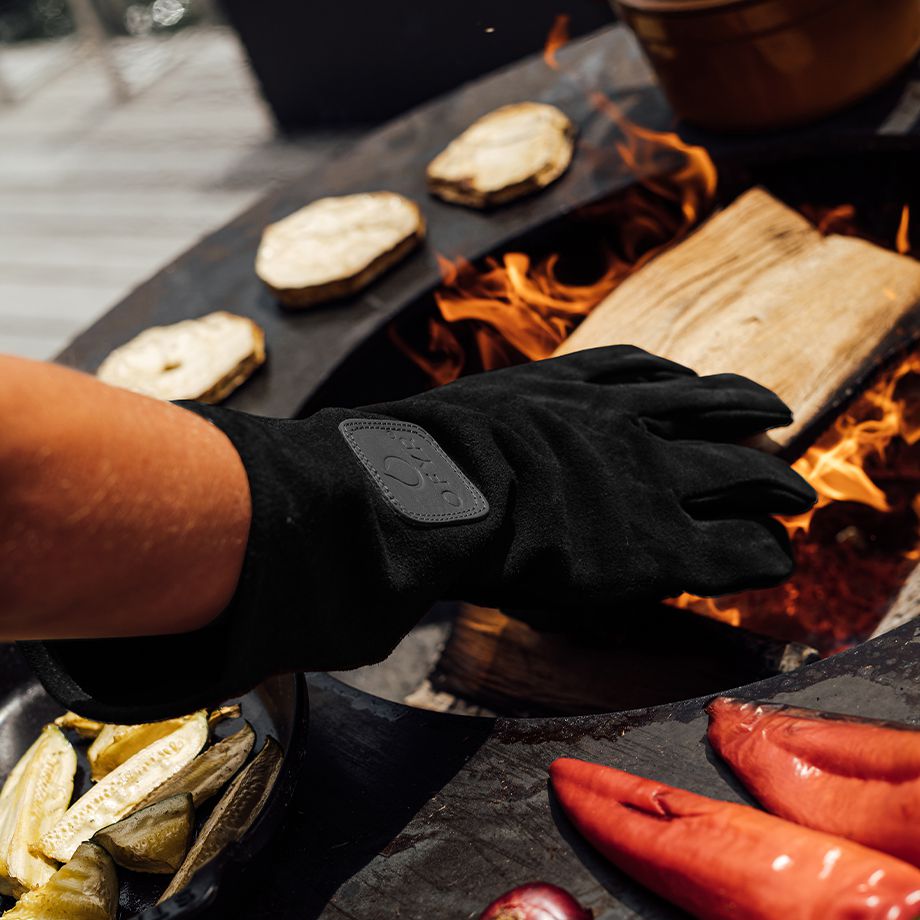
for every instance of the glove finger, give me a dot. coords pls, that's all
(721, 407)
(740, 555)
(727, 480)
(614, 364)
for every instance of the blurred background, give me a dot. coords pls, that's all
(130, 129)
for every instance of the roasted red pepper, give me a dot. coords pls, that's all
(722, 861)
(853, 777)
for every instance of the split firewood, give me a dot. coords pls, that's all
(336, 246)
(204, 359)
(757, 290)
(651, 656)
(510, 152)
(904, 608)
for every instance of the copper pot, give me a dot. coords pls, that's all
(748, 65)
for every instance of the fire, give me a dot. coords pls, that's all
(557, 38)
(692, 184)
(902, 241)
(538, 309)
(838, 219)
(517, 308)
(843, 466)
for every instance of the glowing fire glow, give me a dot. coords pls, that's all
(692, 184)
(902, 241)
(880, 422)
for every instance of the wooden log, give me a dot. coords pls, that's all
(653, 656)
(757, 290)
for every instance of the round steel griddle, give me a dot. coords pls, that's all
(411, 814)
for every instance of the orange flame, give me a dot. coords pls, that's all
(836, 464)
(692, 184)
(902, 241)
(838, 219)
(557, 38)
(537, 309)
(837, 467)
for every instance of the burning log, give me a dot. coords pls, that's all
(758, 290)
(649, 657)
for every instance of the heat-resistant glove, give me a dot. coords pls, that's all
(604, 476)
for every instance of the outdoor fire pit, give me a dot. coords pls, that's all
(403, 812)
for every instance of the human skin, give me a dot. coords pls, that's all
(120, 515)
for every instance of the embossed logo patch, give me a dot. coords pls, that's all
(418, 479)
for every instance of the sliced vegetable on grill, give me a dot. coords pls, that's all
(12, 780)
(858, 778)
(233, 815)
(85, 889)
(33, 800)
(336, 246)
(205, 358)
(117, 743)
(224, 714)
(210, 771)
(722, 861)
(122, 790)
(155, 839)
(503, 155)
(85, 728)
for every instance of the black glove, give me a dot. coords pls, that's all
(599, 477)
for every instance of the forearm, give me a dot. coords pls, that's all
(119, 515)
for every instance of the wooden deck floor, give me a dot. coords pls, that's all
(96, 195)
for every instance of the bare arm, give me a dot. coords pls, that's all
(119, 515)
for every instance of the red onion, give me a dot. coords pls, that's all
(536, 901)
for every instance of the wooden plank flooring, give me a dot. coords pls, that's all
(97, 195)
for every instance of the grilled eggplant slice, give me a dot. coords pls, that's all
(155, 839)
(12, 781)
(209, 772)
(205, 358)
(114, 744)
(85, 889)
(117, 743)
(335, 247)
(85, 728)
(33, 802)
(233, 815)
(510, 152)
(224, 714)
(125, 787)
